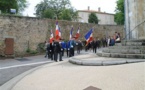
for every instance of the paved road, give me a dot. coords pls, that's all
(10, 68)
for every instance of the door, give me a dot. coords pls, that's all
(9, 46)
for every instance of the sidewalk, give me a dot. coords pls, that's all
(66, 76)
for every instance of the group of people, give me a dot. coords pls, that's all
(114, 39)
(104, 42)
(56, 49)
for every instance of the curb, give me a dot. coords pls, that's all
(11, 83)
(102, 62)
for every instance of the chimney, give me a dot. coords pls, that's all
(99, 9)
(88, 8)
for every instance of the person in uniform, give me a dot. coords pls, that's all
(57, 51)
(72, 45)
(68, 48)
(94, 45)
(63, 46)
(78, 46)
(51, 50)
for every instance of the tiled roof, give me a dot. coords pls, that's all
(93, 11)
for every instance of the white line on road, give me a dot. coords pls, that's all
(24, 65)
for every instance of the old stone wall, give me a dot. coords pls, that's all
(28, 32)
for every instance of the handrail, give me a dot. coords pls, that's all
(133, 30)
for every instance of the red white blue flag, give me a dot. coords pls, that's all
(57, 32)
(89, 36)
(51, 37)
(71, 33)
(77, 34)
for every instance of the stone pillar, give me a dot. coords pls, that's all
(135, 19)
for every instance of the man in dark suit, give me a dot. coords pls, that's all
(51, 51)
(94, 45)
(78, 46)
(57, 50)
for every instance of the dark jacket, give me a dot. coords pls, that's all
(57, 47)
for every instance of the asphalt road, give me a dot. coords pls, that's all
(10, 68)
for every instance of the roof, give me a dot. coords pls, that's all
(93, 11)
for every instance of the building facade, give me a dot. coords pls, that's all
(134, 19)
(104, 18)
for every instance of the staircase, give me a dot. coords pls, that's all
(126, 49)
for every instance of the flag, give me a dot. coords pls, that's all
(71, 33)
(77, 34)
(57, 33)
(51, 37)
(89, 36)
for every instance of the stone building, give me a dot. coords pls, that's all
(135, 19)
(105, 18)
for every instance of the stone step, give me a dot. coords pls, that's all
(132, 44)
(124, 51)
(118, 44)
(126, 47)
(119, 55)
(138, 40)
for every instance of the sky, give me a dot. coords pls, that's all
(107, 6)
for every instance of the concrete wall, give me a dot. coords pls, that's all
(135, 19)
(29, 32)
(105, 19)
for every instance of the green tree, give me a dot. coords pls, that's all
(61, 9)
(119, 16)
(93, 18)
(19, 5)
(48, 14)
(65, 15)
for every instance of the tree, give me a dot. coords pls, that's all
(19, 5)
(61, 9)
(119, 16)
(93, 18)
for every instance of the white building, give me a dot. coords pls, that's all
(104, 18)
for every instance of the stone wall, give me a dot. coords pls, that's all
(28, 32)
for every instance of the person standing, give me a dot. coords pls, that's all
(94, 45)
(78, 46)
(46, 46)
(57, 51)
(68, 48)
(72, 45)
(51, 50)
(63, 46)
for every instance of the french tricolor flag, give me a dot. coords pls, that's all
(57, 31)
(71, 33)
(89, 36)
(51, 37)
(77, 34)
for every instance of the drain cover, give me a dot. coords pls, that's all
(92, 88)
(23, 59)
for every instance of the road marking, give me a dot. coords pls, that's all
(25, 65)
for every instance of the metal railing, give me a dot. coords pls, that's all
(133, 30)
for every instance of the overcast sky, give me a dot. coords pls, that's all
(107, 6)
